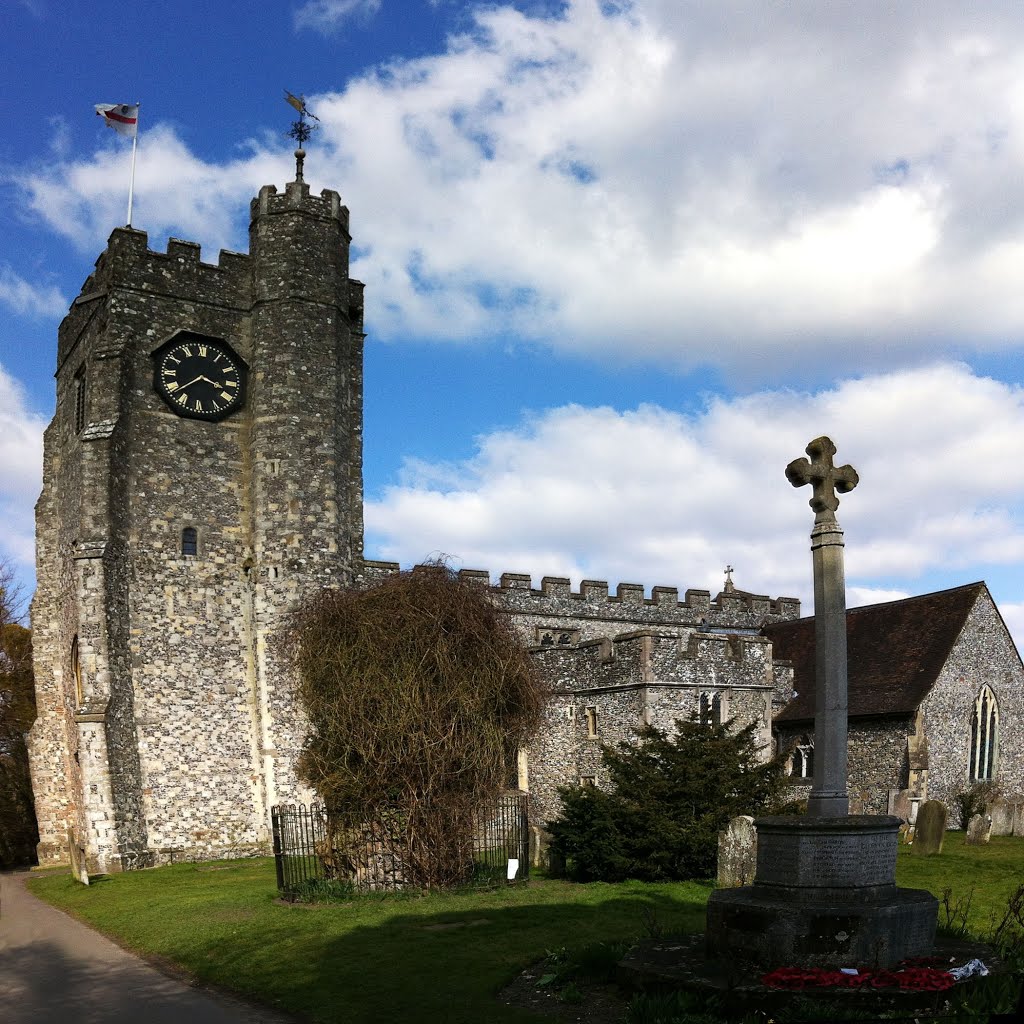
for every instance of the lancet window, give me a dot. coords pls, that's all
(76, 673)
(80, 400)
(984, 737)
(801, 765)
(710, 712)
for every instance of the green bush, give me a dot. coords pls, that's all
(669, 796)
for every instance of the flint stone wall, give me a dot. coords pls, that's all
(984, 654)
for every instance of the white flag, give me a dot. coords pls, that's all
(122, 117)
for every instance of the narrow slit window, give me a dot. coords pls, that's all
(592, 723)
(76, 673)
(80, 400)
(190, 541)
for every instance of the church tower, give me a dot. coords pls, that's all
(202, 472)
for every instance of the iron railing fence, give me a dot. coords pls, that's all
(390, 851)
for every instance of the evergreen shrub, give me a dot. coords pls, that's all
(668, 798)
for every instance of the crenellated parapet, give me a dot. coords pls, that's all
(555, 599)
(129, 266)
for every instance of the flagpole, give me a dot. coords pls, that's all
(131, 182)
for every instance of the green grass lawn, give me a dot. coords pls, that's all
(435, 958)
(986, 875)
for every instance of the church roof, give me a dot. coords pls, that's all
(895, 652)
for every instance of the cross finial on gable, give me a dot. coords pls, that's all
(729, 587)
(823, 475)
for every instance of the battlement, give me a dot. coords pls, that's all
(179, 275)
(296, 196)
(515, 592)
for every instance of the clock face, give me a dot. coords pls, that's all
(200, 378)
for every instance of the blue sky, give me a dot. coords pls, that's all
(622, 262)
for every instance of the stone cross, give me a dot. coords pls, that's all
(823, 475)
(828, 795)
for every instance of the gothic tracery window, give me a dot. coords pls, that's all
(710, 712)
(801, 765)
(984, 737)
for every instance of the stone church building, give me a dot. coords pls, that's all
(203, 472)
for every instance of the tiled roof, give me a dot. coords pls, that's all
(895, 652)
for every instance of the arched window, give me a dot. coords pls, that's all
(710, 709)
(984, 737)
(76, 673)
(801, 765)
(189, 541)
(592, 723)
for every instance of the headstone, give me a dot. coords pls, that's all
(1001, 812)
(979, 830)
(737, 852)
(930, 829)
(899, 804)
(1018, 820)
(76, 855)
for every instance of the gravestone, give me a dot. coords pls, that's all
(899, 804)
(979, 830)
(930, 830)
(824, 891)
(1002, 813)
(76, 856)
(737, 852)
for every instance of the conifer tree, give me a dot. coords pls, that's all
(668, 798)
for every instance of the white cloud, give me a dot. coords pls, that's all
(330, 15)
(652, 496)
(799, 188)
(21, 473)
(30, 299)
(176, 192)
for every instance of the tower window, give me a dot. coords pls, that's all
(190, 541)
(592, 723)
(710, 709)
(984, 737)
(80, 399)
(76, 673)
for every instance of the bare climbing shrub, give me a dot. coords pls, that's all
(418, 696)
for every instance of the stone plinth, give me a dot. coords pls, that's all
(824, 895)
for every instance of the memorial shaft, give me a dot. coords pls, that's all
(829, 794)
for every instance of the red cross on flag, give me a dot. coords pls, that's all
(122, 117)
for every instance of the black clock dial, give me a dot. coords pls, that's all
(200, 378)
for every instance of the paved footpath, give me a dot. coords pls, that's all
(55, 970)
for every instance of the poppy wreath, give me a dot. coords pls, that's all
(909, 978)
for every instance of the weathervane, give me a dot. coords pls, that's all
(300, 130)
